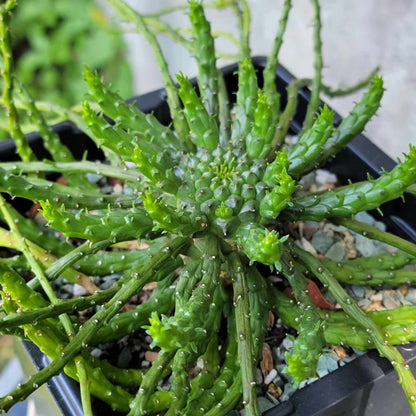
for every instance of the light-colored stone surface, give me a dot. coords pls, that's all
(357, 36)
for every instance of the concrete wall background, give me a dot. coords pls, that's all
(357, 36)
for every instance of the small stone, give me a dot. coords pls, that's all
(68, 288)
(277, 381)
(336, 252)
(39, 219)
(264, 404)
(380, 225)
(326, 364)
(79, 291)
(309, 179)
(93, 177)
(375, 297)
(96, 352)
(312, 379)
(358, 291)
(258, 376)
(273, 393)
(118, 189)
(323, 176)
(308, 246)
(365, 303)
(375, 306)
(107, 284)
(365, 217)
(309, 229)
(340, 351)
(365, 246)
(287, 343)
(151, 356)
(322, 241)
(410, 296)
(336, 228)
(287, 392)
(357, 351)
(127, 190)
(391, 299)
(124, 358)
(269, 378)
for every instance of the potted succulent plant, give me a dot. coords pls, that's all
(211, 193)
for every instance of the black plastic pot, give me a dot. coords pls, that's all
(366, 386)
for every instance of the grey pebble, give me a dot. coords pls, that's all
(278, 381)
(391, 300)
(96, 352)
(365, 217)
(336, 252)
(288, 391)
(271, 398)
(258, 376)
(264, 404)
(68, 288)
(358, 291)
(124, 358)
(336, 228)
(93, 177)
(364, 303)
(287, 343)
(322, 241)
(365, 246)
(79, 291)
(324, 176)
(411, 295)
(326, 364)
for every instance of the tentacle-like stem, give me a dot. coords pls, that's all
(246, 354)
(385, 349)
(376, 234)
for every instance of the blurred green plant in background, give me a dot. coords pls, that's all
(50, 50)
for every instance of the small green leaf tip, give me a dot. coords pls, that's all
(162, 335)
(260, 244)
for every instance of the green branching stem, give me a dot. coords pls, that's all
(307, 348)
(90, 328)
(242, 13)
(8, 83)
(139, 405)
(342, 91)
(246, 355)
(269, 72)
(125, 174)
(318, 64)
(129, 14)
(289, 112)
(375, 233)
(44, 282)
(351, 307)
(53, 144)
(84, 387)
(397, 324)
(53, 310)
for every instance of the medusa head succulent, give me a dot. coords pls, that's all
(211, 195)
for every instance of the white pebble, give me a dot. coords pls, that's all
(269, 378)
(78, 291)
